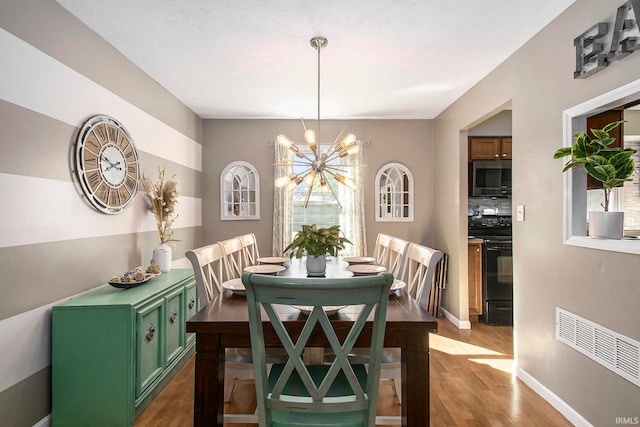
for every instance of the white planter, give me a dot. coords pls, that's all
(316, 265)
(606, 225)
(162, 257)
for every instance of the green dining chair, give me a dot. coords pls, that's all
(295, 394)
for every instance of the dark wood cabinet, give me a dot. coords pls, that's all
(489, 148)
(475, 279)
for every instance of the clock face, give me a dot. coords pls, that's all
(106, 164)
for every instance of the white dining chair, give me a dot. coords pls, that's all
(249, 249)
(389, 252)
(418, 271)
(209, 268)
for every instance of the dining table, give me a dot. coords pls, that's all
(224, 323)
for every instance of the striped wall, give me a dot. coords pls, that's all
(55, 74)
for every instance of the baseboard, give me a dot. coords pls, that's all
(45, 422)
(460, 324)
(567, 411)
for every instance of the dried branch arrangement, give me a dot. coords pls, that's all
(162, 197)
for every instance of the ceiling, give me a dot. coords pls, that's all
(395, 59)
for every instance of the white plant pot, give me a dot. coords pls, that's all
(162, 257)
(606, 225)
(316, 265)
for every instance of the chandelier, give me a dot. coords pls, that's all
(317, 166)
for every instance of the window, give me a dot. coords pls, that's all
(322, 208)
(239, 192)
(577, 200)
(394, 193)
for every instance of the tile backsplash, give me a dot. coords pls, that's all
(489, 206)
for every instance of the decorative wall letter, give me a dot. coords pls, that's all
(589, 56)
(626, 36)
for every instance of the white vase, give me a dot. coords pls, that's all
(316, 265)
(162, 257)
(606, 225)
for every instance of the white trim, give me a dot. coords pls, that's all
(567, 411)
(38, 82)
(573, 184)
(460, 324)
(72, 218)
(45, 422)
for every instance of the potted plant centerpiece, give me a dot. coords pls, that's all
(610, 166)
(316, 243)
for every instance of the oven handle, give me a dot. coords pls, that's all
(497, 247)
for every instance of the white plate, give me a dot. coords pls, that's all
(235, 286)
(329, 309)
(359, 259)
(264, 269)
(397, 284)
(365, 269)
(273, 260)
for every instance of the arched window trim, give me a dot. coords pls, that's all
(240, 194)
(393, 204)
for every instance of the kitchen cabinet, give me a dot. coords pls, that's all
(475, 278)
(489, 148)
(115, 349)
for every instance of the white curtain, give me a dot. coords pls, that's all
(281, 201)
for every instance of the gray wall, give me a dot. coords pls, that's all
(537, 81)
(55, 74)
(406, 141)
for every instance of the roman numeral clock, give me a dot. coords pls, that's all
(106, 164)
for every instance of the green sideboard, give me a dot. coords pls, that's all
(114, 349)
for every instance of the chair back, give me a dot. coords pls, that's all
(208, 269)
(419, 270)
(233, 258)
(249, 249)
(296, 394)
(389, 252)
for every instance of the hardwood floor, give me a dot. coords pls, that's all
(471, 385)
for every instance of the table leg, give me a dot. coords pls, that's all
(208, 405)
(415, 387)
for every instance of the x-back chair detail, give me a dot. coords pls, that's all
(295, 394)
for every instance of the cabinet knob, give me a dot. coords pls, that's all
(477, 249)
(150, 333)
(504, 154)
(174, 316)
(192, 302)
(496, 155)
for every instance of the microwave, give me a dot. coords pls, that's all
(491, 178)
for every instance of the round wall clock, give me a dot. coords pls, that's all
(106, 164)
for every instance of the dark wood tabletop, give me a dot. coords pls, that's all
(224, 324)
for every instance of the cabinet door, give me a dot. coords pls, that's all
(149, 360)
(475, 279)
(484, 148)
(191, 307)
(505, 148)
(174, 325)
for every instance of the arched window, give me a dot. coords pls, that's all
(394, 193)
(239, 192)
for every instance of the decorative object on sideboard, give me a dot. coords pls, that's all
(610, 166)
(135, 277)
(316, 242)
(162, 197)
(319, 165)
(105, 163)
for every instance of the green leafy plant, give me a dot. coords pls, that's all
(317, 241)
(610, 166)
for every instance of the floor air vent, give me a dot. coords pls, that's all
(619, 353)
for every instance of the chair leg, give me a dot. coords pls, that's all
(229, 390)
(397, 389)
